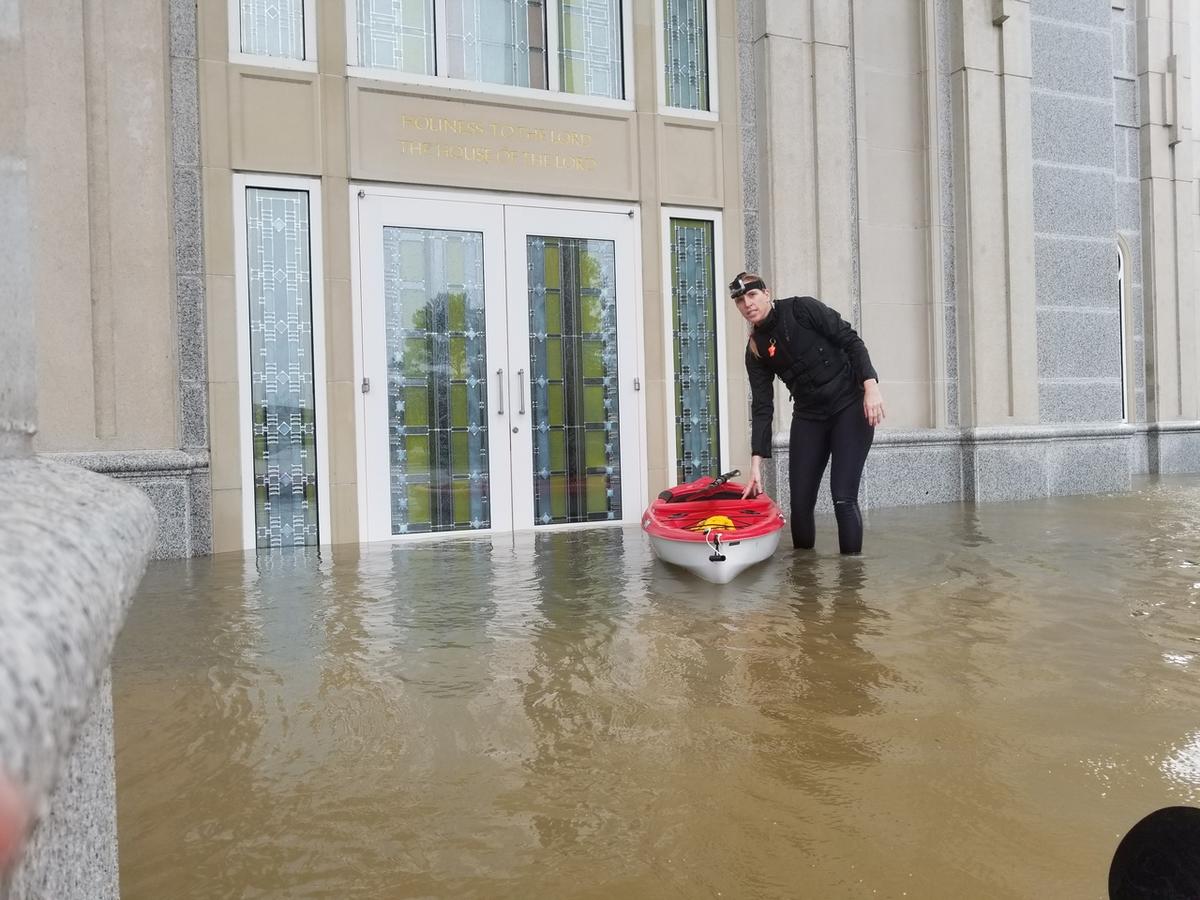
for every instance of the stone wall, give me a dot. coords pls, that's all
(116, 263)
(73, 545)
(1039, 131)
(177, 484)
(1075, 228)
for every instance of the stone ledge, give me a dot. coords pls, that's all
(899, 437)
(73, 546)
(1173, 448)
(913, 436)
(1170, 427)
(177, 483)
(1038, 433)
(133, 462)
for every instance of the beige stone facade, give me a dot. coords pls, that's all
(1001, 196)
(345, 130)
(990, 191)
(102, 275)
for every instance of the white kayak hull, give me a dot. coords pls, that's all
(695, 556)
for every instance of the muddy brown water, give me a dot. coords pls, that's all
(980, 706)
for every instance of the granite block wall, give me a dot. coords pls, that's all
(1089, 465)
(1174, 449)
(177, 483)
(82, 818)
(1079, 151)
(187, 227)
(73, 547)
(912, 467)
(945, 170)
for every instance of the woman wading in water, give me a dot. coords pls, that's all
(836, 402)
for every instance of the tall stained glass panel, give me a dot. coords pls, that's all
(685, 35)
(437, 387)
(497, 41)
(693, 316)
(281, 367)
(396, 34)
(590, 56)
(273, 28)
(573, 381)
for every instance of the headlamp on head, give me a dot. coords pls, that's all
(743, 284)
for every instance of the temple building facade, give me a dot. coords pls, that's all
(330, 271)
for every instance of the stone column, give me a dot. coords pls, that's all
(72, 549)
(17, 384)
(804, 97)
(801, 172)
(18, 396)
(991, 70)
(1172, 385)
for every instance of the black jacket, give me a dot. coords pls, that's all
(815, 352)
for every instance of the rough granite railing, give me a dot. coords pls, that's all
(73, 545)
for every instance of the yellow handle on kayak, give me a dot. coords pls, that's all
(714, 523)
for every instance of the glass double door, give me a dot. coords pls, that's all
(499, 356)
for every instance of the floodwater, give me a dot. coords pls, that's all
(980, 706)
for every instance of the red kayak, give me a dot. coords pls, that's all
(706, 527)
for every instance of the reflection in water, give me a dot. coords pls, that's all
(832, 672)
(574, 718)
(979, 706)
(1182, 764)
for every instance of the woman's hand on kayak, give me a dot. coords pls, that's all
(754, 485)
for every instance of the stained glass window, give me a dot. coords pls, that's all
(693, 316)
(281, 367)
(497, 41)
(396, 34)
(685, 36)
(573, 383)
(491, 41)
(590, 56)
(437, 386)
(273, 28)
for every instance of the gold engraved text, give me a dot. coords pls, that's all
(556, 148)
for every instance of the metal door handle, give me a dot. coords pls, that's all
(500, 391)
(521, 388)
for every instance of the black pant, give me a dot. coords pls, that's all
(847, 437)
